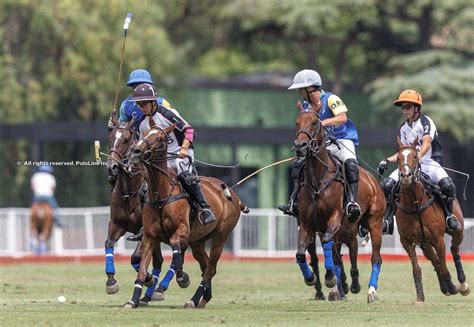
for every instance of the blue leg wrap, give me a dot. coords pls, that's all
(307, 273)
(109, 261)
(151, 289)
(328, 262)
(374, 277)
(165, 282)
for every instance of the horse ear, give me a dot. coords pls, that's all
(170, 129)
(415, 142)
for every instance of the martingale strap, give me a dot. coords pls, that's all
(159, 204)
(418, 209)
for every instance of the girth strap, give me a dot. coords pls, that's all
(159, 204)
(417, 210)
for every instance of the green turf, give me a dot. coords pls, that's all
(245, 294)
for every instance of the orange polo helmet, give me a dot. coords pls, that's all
(411, 96)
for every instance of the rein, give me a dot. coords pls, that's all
(317, 185)
(158, 204)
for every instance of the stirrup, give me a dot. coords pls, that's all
(387, 228)
(206, 216)
(363, 232)
(352, 211)
(452, 223)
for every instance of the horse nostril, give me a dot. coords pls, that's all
(137, 151)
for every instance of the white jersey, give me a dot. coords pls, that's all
(43, 184)
(430, 163)
(174, 145)
(423, 126)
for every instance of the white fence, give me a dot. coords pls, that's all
(261, 233)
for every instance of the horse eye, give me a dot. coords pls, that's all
(314, 123)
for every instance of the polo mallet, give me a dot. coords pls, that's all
(128, 19)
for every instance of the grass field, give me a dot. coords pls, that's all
(245, 294)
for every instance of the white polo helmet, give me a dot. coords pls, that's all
(305, 78)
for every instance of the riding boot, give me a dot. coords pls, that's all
(352, 176)
(291, 208)
(192, 185)
(388, 187)
(448, 189)
(136, 237)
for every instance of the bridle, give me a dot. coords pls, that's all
(312, 145)
(415, 174)
(312, 150)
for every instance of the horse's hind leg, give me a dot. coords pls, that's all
(114, 233)
(183, 280)
(455, 243)
(200, 254)
(410, 249)
(353, 251)
(345, 287)
(203, 294)
(314, 264)
(441, 252)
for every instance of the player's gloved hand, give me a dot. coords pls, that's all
(383, 166)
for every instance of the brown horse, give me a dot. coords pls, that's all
(420, 221)
(166, 217)
(321, 206)
(41, 226)
(126, 213)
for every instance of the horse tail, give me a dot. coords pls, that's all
(243, 207)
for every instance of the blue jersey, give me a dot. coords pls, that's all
(129, 109)
(332, 106)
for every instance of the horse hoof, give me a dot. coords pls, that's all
(189, 305)
(372, 297)
(112, 289)
(202, 304)
(184, 280)
(454, 291)
(334, 296)
(330, 283)
(310, 282)
(319, 296)
(158, 296)
(355, 288)
(129, 305)
(464, 289)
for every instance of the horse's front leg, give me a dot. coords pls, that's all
(147, 244)
(334, 222)
(157, 264)
(179, 240)
(314, 264)
(410, 249)
(114, 234)
(305, 237)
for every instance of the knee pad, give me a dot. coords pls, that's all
(387, 186)
(352, 170)
(448, 188)
(188, 179)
